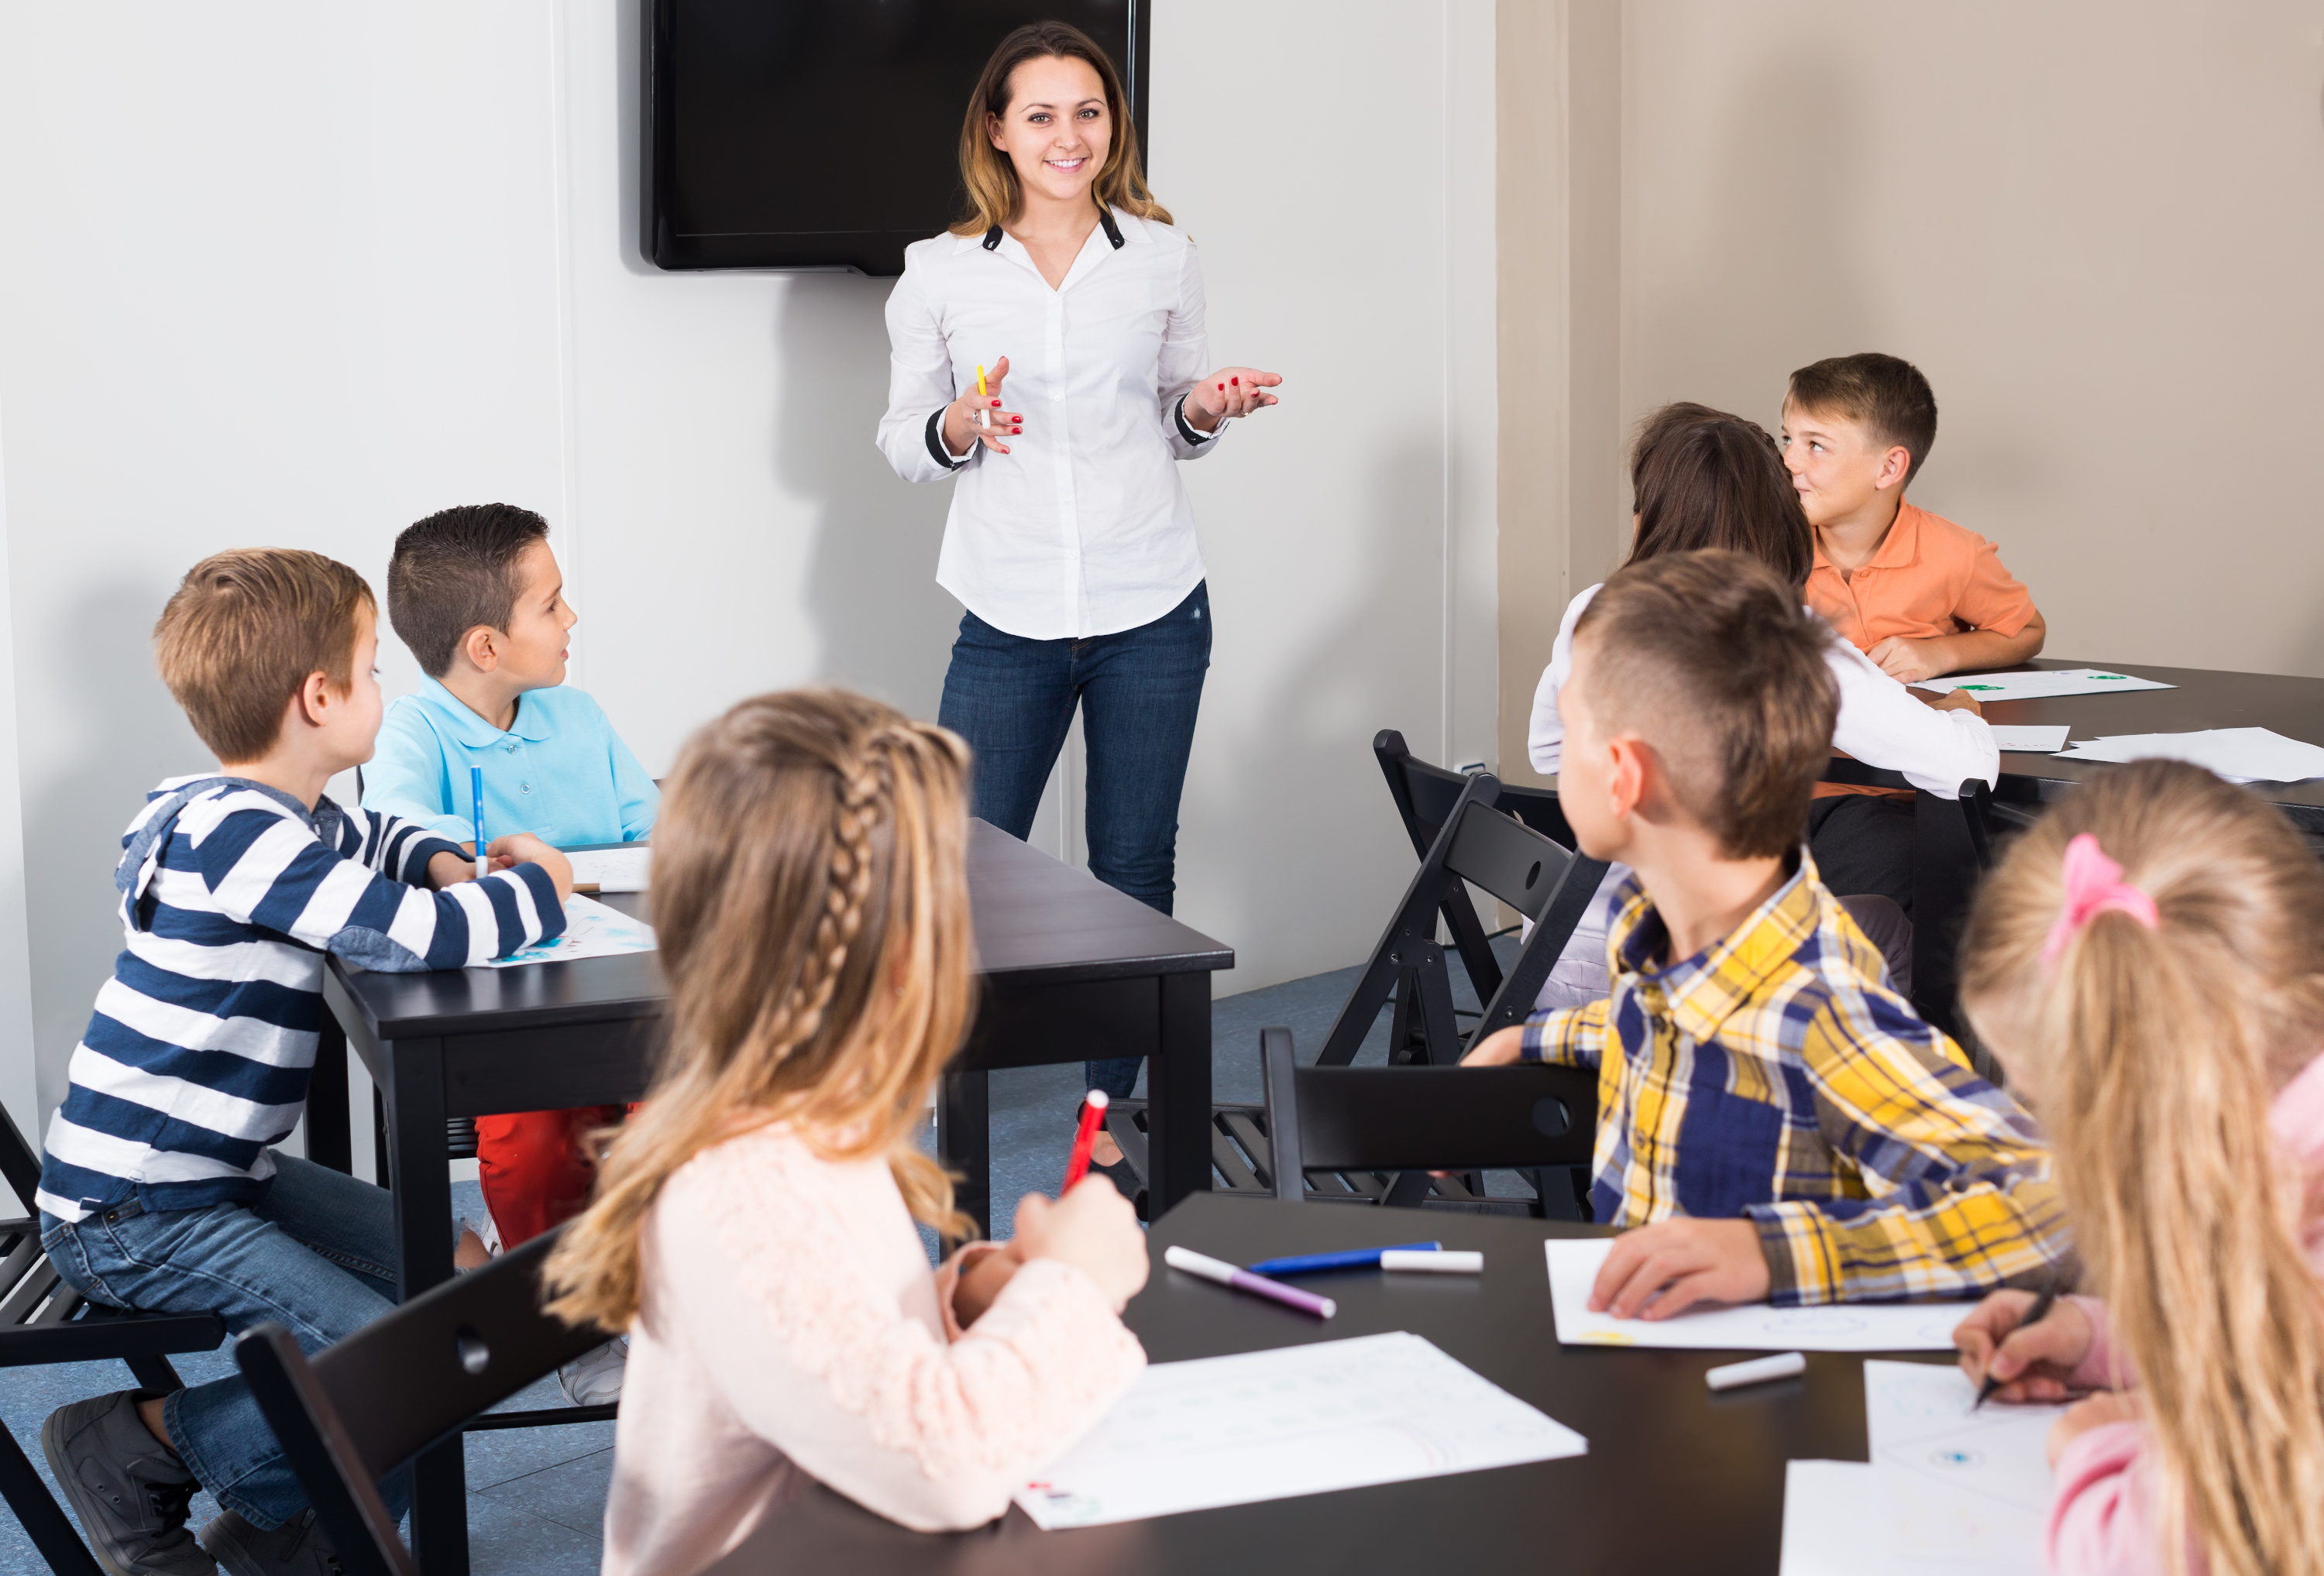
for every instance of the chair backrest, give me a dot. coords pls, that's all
(370, 1401)
(1480, 845)
(1421, 1118)
(20, 1162)
(1425, 795)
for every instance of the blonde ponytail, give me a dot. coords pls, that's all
(2152, 1054)
(812, 908)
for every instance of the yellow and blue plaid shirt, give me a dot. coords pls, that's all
(1775, 1076)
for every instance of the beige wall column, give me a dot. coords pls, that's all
(1562, 494)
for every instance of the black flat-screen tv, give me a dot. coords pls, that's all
(824, 133)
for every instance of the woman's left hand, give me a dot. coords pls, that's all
(1232, 391)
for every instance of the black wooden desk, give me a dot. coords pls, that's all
(1070, 969)
(1677, 1479)
(2294, 707)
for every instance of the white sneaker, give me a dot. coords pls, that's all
(595, 1378)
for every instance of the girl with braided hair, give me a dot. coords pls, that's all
(2148, 964)
(753, 1225)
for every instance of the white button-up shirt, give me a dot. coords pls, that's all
(1084, 529)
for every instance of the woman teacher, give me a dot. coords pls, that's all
(1071, 540)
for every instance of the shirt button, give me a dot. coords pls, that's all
(524, 787)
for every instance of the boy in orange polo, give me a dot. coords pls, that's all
(1917, 593)
(1912, 591)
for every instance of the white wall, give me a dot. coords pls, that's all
(287, 274)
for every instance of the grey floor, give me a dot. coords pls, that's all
(537, 1496)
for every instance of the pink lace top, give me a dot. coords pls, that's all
(2105, 1518)
(791, 1324)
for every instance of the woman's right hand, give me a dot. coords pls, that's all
(961, 426)
(1093, 1229)
(2033, 1362)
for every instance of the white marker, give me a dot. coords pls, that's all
(1758, 1372)
(1442, 1262)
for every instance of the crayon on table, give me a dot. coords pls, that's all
(1758, 1372)
(1455, 1262)
(1353, 1259)
(1242, 1280)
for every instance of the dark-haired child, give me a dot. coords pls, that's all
(477, 594)
(1775, 1122)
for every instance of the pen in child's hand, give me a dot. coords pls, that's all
(2033, 1315)
(477, 793)
(1085, 1136)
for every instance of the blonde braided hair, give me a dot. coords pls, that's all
(812, 907)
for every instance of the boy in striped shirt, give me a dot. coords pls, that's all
(1775, 1122)
(160, 1188)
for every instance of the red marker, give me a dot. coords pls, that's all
(1086, 1137)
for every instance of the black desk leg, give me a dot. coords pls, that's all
(964, 1140)
(422, 1167)
(1178, 1095)
(328, 1142)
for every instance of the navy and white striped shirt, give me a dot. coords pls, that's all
(197, 1057)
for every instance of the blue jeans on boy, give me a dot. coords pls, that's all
(1012, 699)
(316, 1254)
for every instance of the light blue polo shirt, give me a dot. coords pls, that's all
(560, 773)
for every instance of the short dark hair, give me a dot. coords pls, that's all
(242, 632)
(1712, 661)
(1885, 393)
(1702, 478)
(455, 570)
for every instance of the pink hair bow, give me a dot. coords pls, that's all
(2094, 886)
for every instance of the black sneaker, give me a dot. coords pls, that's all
(296, 1548)
(129, 1490)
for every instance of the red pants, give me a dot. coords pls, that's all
(536, 1166)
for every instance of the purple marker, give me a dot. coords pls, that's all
(1242, 1280)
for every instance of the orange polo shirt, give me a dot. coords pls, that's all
(1930, 577)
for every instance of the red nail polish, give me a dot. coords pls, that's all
(1223, 388)
(1015, 430)
(1237, 382)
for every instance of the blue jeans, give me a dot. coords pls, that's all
(316, 1254)
(1013, 699)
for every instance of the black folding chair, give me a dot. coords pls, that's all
(43, 1321)
(1482, 845)
(1952, 848)
(1411, 1121)
(1425, 796)
(363, 1406)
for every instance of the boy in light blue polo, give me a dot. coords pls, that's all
(477, 594)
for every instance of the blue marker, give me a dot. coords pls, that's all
(477, 793)
(1355, 1259)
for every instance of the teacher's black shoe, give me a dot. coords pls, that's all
(296, 1548)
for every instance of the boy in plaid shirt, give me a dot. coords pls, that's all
(1775, 1122)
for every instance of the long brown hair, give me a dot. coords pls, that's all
(812, 908)
(2153, 1054)
(994, 196)
(1702, 478)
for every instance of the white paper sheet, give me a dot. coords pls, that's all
(1573, 1266)
(592, 930)
(2040, 686)
(623, 869)
(1948, 1492)
(1298, 1420)
(2034, 738)
(2237, 754)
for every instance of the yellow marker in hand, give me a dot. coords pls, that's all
(983, 412)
